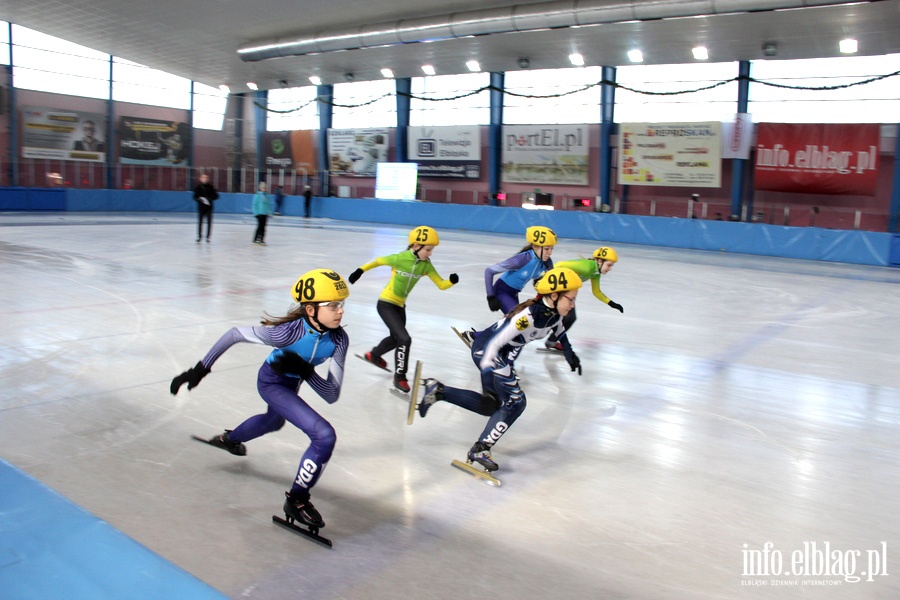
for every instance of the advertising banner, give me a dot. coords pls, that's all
(451, 152)
(357, 151)
(545, 154)
(737, 137)
(289, 150)
(670, 154)
(813, 158)
(63, 134)
(153, 142)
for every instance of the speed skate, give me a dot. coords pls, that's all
(479, 472)
(303, 529)
(413, 392)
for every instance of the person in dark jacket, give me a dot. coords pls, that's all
(204, 195)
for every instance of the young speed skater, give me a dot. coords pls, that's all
(532, 261)
(307, 336)
(501, 398)
(407, 268)
(602, 260)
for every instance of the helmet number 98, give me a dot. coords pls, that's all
(305, 289)
(557, 281)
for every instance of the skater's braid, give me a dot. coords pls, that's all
(522, 306)
(298, 311)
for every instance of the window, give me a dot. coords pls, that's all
(142, 85)
(209, 107)
(4, 43)
(48, 64)
(371, 104)
(876, 102)
(567, 106)
(716, 104)
(292, 109)
(472, 109)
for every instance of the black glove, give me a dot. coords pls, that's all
(454, 278)
(290, 363)
(355, 275)
(573, 360)
(616, 306)
(191, 377)
(493, 303)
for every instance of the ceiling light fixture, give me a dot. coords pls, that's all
(225, 88)
(576, 59)
(348, 77)
(473, 66)
(770, 49)
(387, 73)
(849, 46)
(315, 80)
(428, 69)
(252, 86)
(635, 56)
(524, 63)
(700, 53)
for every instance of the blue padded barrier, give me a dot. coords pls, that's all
(17, 198)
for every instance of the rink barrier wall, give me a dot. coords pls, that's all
(809, 243)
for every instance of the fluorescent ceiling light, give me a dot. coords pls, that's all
(635, 56)
(848, 46)
(387, 73)
(252, 86)
(225, 88)
(700, 53)
(428, 69)
(576, 59)
(473, 66)
(315, 80)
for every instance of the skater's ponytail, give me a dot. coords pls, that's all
(297, 311)
(522, 306)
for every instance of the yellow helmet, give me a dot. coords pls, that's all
(424, 236)
(606, 253)
(540, 236)
(557, 279)
(320, 285)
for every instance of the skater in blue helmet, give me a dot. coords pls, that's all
(307, 336)
(501, 398)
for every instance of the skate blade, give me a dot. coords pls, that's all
(414, 393)
(363, 358)
(400, 394)
(310, 532)
(550, 351)
(477, 472)
(460, 336)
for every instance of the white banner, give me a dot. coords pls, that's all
(545, 154)
(356, 151)
(63, 134)
(670, 154)
(450, 152)
(737, 136)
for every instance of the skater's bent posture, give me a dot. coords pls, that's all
(589, 269)
(406, 269)
(501, 398)
(307, 336)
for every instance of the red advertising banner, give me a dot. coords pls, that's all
(808, 158)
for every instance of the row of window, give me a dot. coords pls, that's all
(828, 90)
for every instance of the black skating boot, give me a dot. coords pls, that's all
(300, 508)
(224, 442)
(434, 391)
(481, 453)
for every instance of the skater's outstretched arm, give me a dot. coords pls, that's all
(330, 389)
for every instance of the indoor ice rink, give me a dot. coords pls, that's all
(741, 415)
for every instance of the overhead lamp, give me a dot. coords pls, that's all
(770, 49)
(252, 86)
(387, 73)
(428, 69)
(473, 66)
(348, 77)
(225, 88)
(524, 63)
(576, 59)
(315, 80)
(700, 53)
(635, 56)
(849, 46)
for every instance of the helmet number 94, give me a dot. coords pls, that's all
(305, 289)
(557, 281)
(538, 236)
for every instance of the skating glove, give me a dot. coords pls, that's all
(572, 359)
(355, 275)
(191, 377)
(493, 303)
(454, 278)
(290, 363)
(616, 306)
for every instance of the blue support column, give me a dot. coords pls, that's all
(325, 95)
(607, 109)
(13, 119)
(739, 165)
(404, 88)
(895, 188)
(260, 114)
(495, 133)
(112, 139)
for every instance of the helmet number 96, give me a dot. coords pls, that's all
(305, 289)
(557, 281)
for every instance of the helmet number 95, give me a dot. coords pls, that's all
(538, 237)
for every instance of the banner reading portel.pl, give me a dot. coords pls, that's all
(812, 158)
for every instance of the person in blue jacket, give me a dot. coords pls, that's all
(307, 336)
(262, 210)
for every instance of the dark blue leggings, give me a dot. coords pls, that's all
(502, 400)
(507, 295)
(280, 393)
